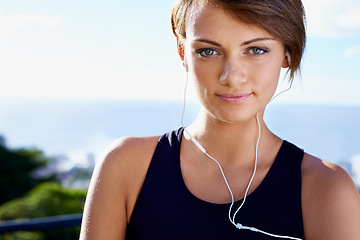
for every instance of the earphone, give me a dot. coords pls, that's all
(203, 150)
(288, 58)
(185, 64)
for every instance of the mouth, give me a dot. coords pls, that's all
(234, 98)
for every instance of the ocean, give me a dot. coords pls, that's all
(64, 126)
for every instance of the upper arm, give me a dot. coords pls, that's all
(331, 202)
(114, 187)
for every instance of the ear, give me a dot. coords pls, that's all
(180, 48)
(287, 60)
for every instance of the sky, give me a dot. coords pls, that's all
(119, 49)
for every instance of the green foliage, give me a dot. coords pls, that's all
(46, 199)
(17, 171)
(22, 236)
(24, 195)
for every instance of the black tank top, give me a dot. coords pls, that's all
(166, 209)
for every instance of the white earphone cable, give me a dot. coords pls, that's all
(255, 167)
(291, 83)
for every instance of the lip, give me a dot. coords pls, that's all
(234, 98)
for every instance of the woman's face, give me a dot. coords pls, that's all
(235, 66)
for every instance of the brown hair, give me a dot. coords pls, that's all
(284, 19)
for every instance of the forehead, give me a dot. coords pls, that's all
(205, 20)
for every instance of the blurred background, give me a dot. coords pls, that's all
(76, 75)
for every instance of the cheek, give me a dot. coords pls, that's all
(204, 76)
(268, 77)
(266, 82)
(205, 81)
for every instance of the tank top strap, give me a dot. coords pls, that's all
(162, 176)
(287, 166)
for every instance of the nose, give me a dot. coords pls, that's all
(233, 73)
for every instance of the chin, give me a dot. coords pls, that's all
(232, 118)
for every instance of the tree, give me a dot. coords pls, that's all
(2, 141)
(46, 199)
(16, 170)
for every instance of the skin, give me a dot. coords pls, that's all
(235, 68)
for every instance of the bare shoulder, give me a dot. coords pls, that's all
(126, 162)
(324, 174)
(115, 184)
(128, 154)
(331, 202)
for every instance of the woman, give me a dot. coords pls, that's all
(226, 175)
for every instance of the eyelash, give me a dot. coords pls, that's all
(201, 52)
(250, 50)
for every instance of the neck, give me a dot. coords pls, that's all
(229, 142)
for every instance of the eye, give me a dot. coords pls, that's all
(257, 51)
(207, 52)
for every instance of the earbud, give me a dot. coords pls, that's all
(288, 58)
(185, 64)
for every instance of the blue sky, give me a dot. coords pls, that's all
(125, 49)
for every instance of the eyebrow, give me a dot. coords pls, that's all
(208, 41)
(256, 40)
(243, 44)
